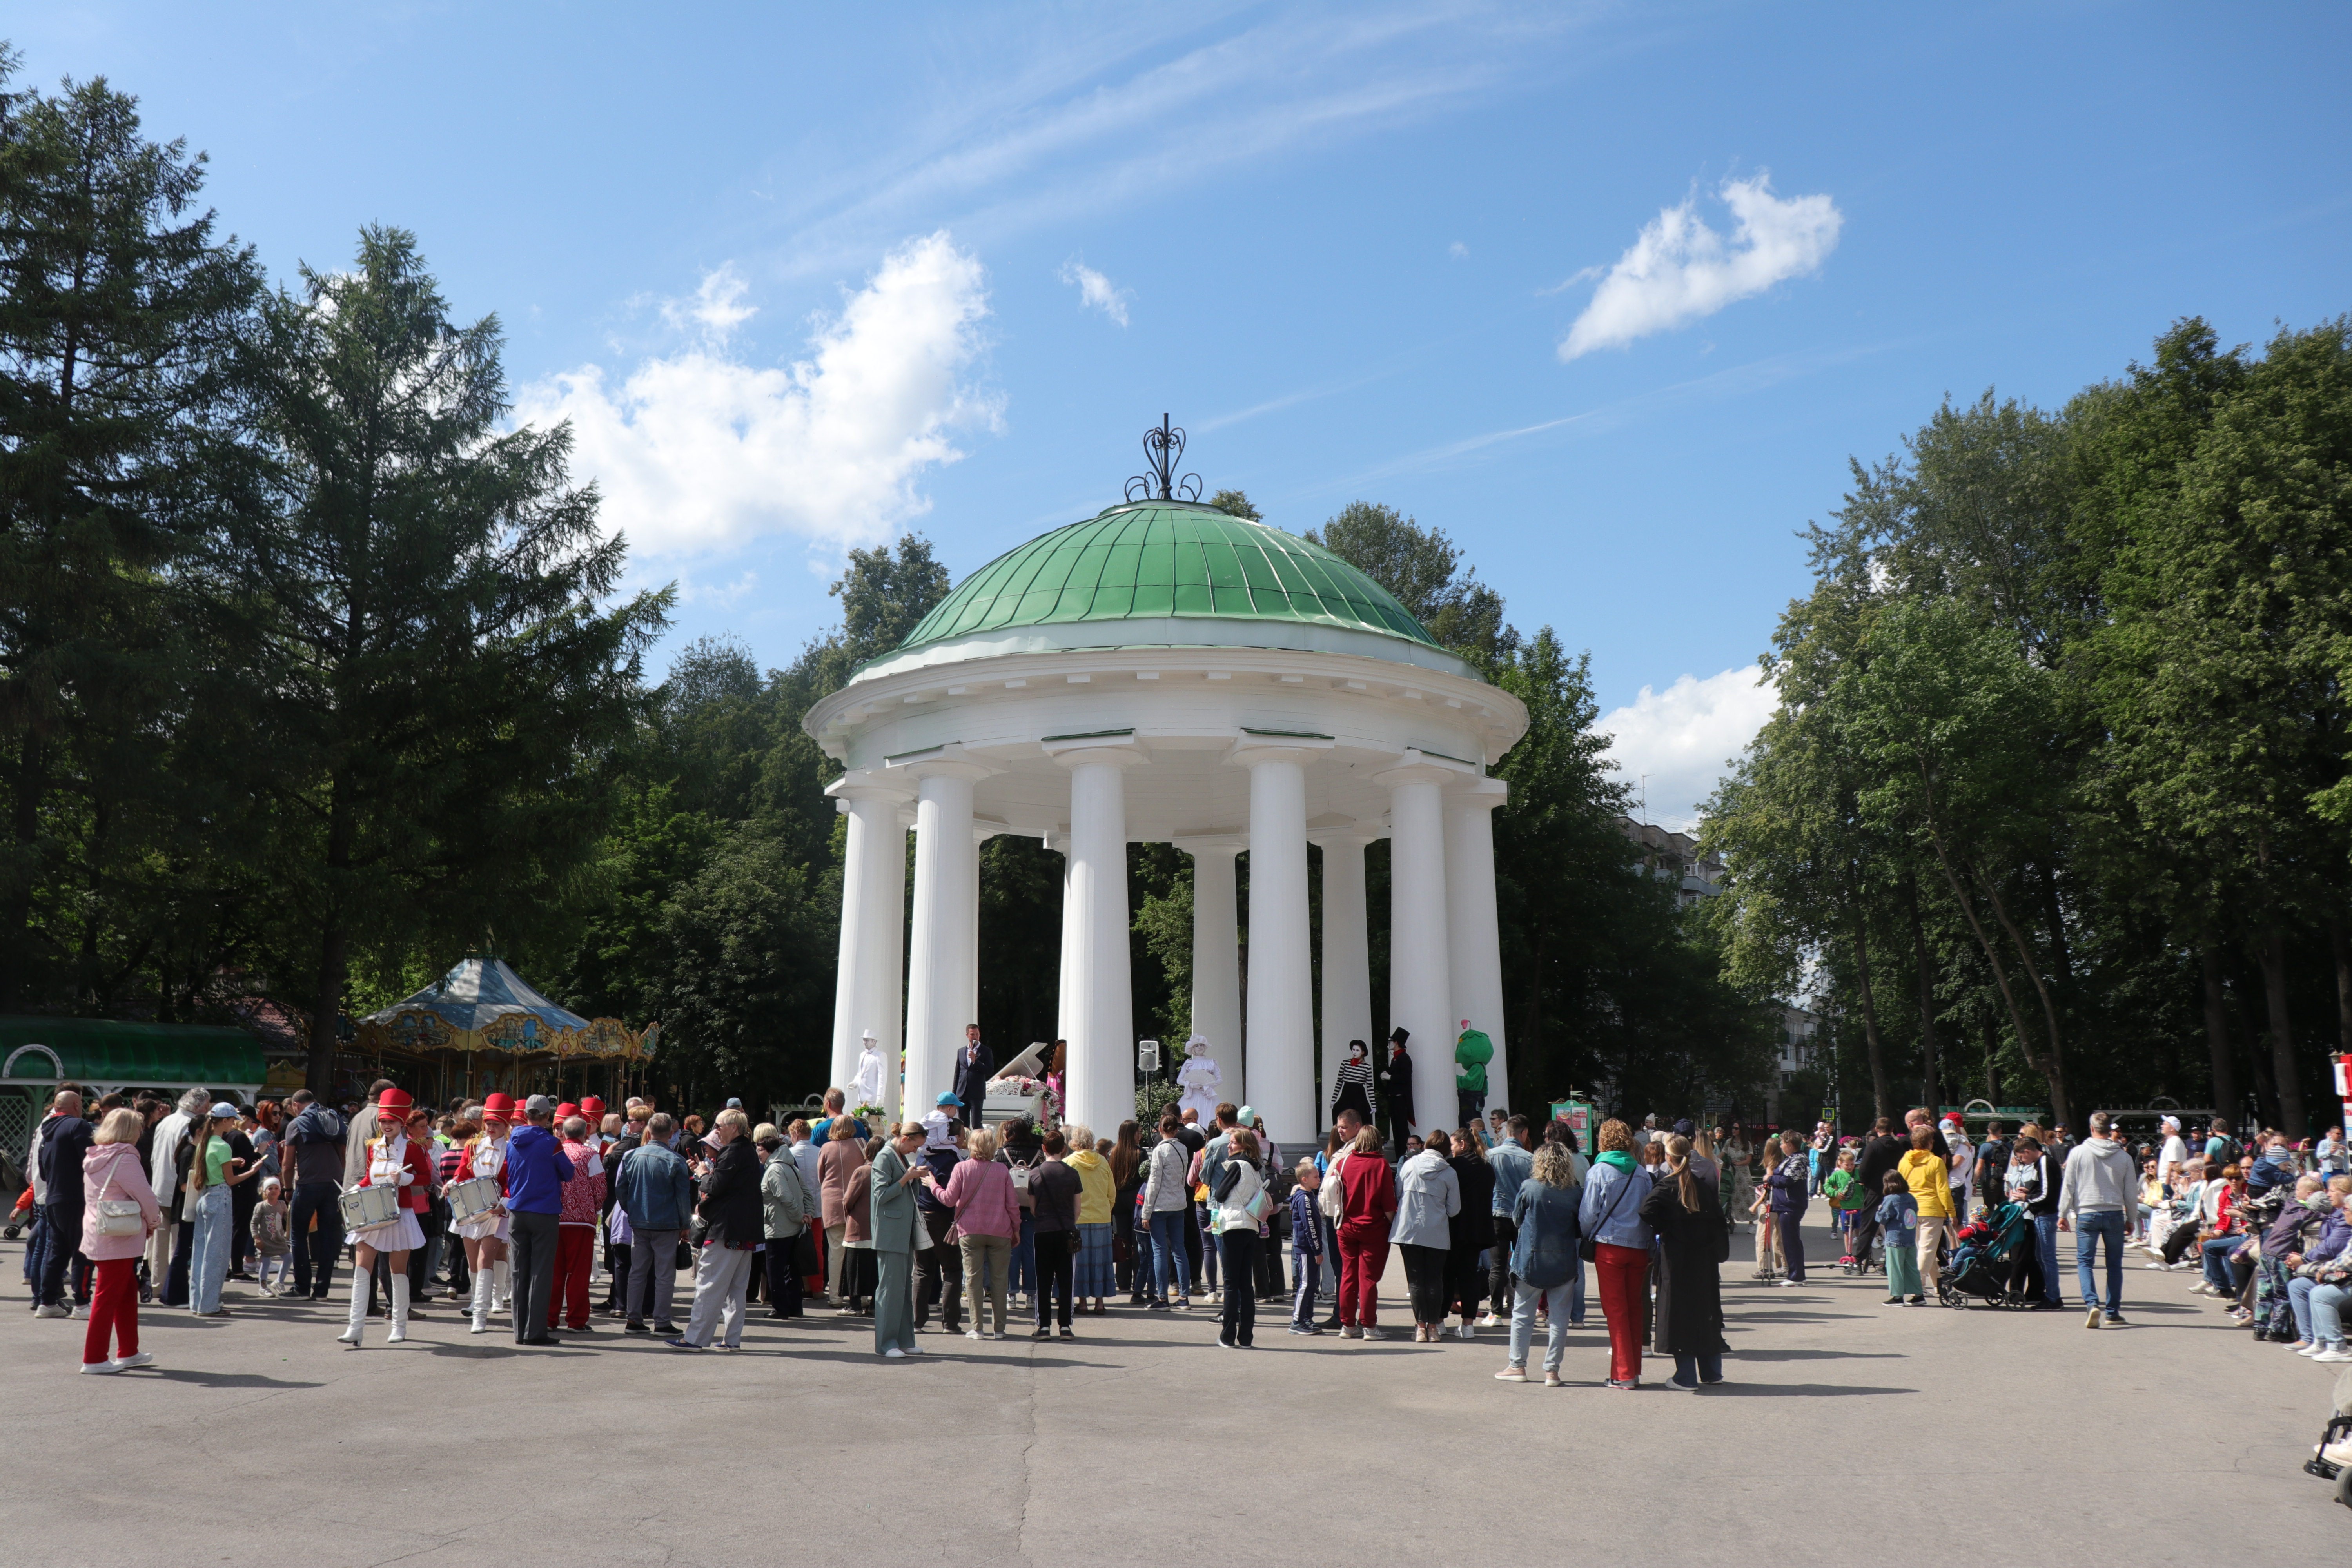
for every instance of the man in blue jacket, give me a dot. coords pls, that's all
(656, 1190)
(536, 1170)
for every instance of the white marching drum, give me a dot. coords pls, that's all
(364, 1208)
(470, 1203)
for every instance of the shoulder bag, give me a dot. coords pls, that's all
(119, 1216)
(1587, 1245)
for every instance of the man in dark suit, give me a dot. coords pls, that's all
(974, 1063)
(1396, 1089)
(64, 1139)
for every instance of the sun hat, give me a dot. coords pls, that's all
(946, 1100)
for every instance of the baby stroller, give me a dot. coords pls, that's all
(1985, 1259)
(2331, 1460)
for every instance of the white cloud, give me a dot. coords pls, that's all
(1095, 290)
(1459, 251)
(717, 307)
(1680, 269)
(699, 452)
(1679, 739)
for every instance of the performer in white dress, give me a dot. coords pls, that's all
(1200, 1079)
(865, 1088)
(487, 1234)
(391, 1160)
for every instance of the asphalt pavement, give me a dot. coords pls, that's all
(1847, 1432)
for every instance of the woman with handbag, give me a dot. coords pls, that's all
(1240, 1204)
(389, 1161)
(487, 1233)
(1616, 1238)
(118, 1213)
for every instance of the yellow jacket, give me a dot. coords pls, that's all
(1929, 1182)
(1095, 1189)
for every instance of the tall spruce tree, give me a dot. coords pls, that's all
(118, 311)
(441, 668)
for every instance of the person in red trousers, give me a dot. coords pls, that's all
(1368, 1205)
(113, 1175)
(576, 1231)
(1611, 1216)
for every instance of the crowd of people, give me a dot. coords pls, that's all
(506, 1209)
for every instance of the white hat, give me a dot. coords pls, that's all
(1196, 1046)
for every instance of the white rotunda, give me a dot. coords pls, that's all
(1164, 672)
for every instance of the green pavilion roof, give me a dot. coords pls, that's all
(1154, 558)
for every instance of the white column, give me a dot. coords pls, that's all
(945, 949)
(1474, 941)
(1280, 1022)
(1347, 960)
(1099, 1090)
(867, 986)
(1062, 976)
(1420, 991)
(1216, 957)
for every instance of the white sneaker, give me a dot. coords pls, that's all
(54, 1310)
(142, 1358)
(971, 1333)
(1469, 1332)
(1490, 1321)
(95, 1367)
(2308, 1350)
(894, 1353)
(2095, 1320)
(2333, 1353)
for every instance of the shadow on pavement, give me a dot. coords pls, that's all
(1820, 1355)
(218, 1379)
(1800, 1390)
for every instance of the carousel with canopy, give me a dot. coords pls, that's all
(481, 1028)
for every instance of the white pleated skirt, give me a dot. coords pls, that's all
(403, 1235)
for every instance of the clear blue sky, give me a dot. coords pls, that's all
(807, 276)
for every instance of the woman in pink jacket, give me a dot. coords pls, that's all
(987, 1218)
(112, 1173)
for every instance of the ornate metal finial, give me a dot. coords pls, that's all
(1163, 448)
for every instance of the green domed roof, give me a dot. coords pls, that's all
(1154, 559)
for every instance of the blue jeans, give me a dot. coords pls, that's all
(2090, 1226)
(2327, 1313)
(2298, 1301)
(1576, 1297)
(1525, 1299)
(209, 1253)
(1168, 1252)
(2045, 1245)
(1024, 1258)
(2218, 1272)
(1698, 1368)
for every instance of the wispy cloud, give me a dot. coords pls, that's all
(1680, 270)
(1459, 251)
(697, 452)
(1672, 744)
(1732, 381)
(1094, 291)
(1103, 122)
